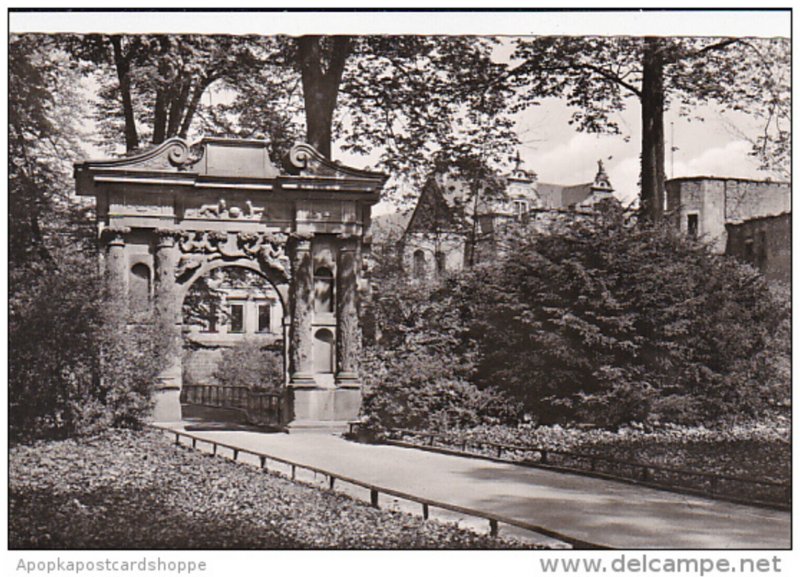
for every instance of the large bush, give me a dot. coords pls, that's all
(251, 364)
(609, 322)
(75, 365)
(418, 374)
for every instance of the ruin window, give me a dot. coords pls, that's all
(761, 257)
(139, 287)
(692, 225)
(749, 253)
(521, 209)
(236, 322)
(441, 262)
(419, 263)
(323, 290)
(264, 318)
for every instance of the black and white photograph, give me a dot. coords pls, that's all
(391, 278)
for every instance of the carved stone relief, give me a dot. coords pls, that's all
(197, 248)
(222, 210)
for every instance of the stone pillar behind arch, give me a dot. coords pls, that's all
(348, 342)
(347, 399)
(302, 303)
(167, 315)
(116, 263)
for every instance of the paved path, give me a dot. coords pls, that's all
(607, 513)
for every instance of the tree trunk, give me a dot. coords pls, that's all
(653, 175)
(122, 64)
(194, 103)
(178, 107)
(163, 92)
(321, 88)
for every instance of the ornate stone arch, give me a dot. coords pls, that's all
(221, 203)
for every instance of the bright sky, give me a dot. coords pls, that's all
(550, 147)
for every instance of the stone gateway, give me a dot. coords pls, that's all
(173, 214)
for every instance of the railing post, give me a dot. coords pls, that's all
(425, 512)
(214, 449)
(493, 530)
(499, 452)
(194, 443)
(331, 481)
(235, 454)
(543, 456)
(263, 460)
(294, 472)
(645, 474)
(177, 438)
(373, 498)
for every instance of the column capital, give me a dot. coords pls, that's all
(165, 237)
(347, 236)
(115, 235)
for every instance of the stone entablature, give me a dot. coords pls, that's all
(177, 212)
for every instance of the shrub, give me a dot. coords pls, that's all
(75, 365)
(418, 374)
(250, 364)
(610, 322)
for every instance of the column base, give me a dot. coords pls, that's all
(348, 380)
(325, 404)
(167, 407)
(302, 379)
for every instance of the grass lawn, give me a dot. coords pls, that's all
(134, 490)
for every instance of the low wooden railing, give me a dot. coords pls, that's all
(375, 490)
(259, 407)
(767, 493)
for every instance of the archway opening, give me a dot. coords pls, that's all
(233, 331)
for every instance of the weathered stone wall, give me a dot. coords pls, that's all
(746, 199)
(199, 365)
(451, 245)
(766, 243)
(718, 202)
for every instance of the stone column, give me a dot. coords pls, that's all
(116, 263)
(165, 297)
(302, 307)
(167, 313)
(348, 333)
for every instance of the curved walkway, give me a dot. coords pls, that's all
(607, 513)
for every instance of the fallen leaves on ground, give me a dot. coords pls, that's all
(133, 490)
(753, 450)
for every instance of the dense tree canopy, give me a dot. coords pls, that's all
(74, 363)
(405, 96)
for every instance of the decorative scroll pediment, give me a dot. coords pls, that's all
(305, 160)
(173, 153)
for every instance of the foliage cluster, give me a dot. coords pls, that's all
(755, 449)
(601, 320)
(417, 374)
(131, 490)
(250, 364)
(75, 364)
